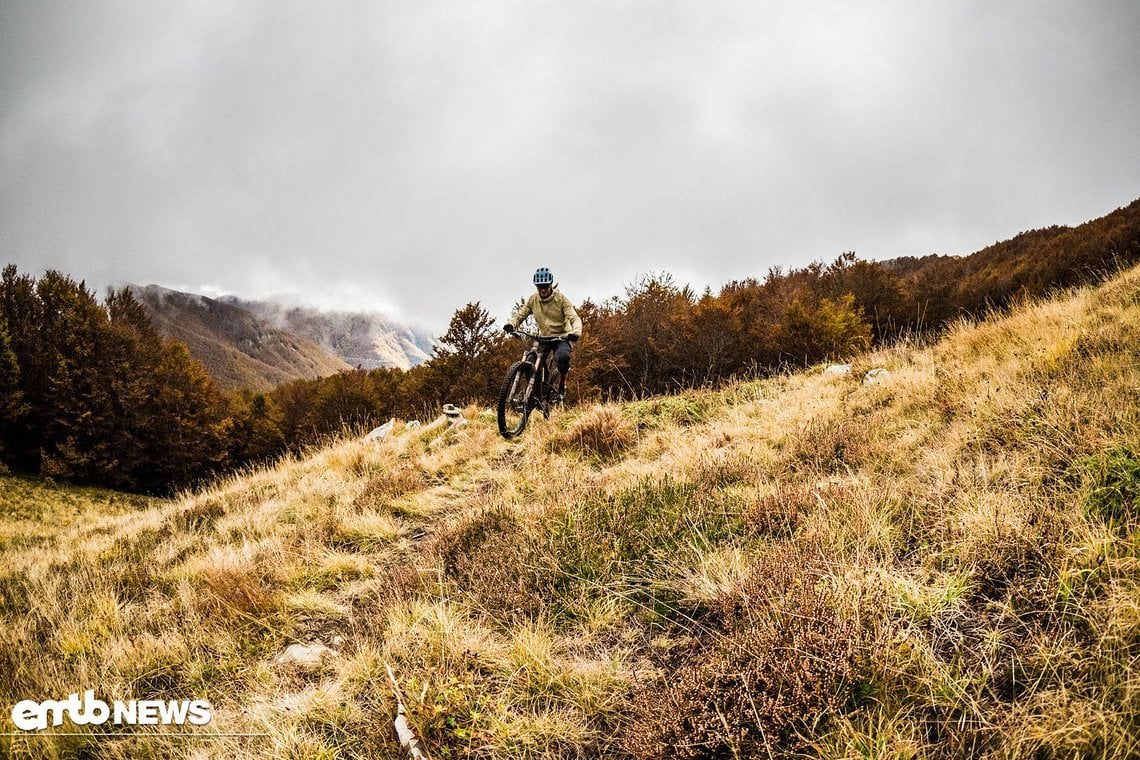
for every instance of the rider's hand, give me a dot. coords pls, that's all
(573, 337)
(508, 328)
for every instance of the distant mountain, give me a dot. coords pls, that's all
(363, 339)
(239, 349)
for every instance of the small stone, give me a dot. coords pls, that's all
(382, 431)
(838, 369)
(305, 656)
(877, 375)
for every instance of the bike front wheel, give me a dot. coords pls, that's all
(514, 401)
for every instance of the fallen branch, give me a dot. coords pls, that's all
(404, 731)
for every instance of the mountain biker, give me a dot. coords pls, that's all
(555, 316)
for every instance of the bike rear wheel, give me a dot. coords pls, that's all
(514, 402)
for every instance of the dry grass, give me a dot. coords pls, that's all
(941, 564)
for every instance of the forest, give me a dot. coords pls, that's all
(91, 393)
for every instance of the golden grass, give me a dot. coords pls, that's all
(963, 533)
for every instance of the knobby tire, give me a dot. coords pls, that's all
(512, 418)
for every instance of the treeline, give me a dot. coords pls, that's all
(93, 394)
(89, 391)
(661, 337)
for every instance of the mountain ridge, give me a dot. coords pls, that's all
(368, 340)
(237, 349)
(259, 345)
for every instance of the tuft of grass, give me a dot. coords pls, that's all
(1113, 487)
(828, 447)
(684, 409)
(600, 431)
(390, 484)
(234, 583)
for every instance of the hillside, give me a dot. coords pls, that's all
(945, 562)
(366, 340)
(238, 349)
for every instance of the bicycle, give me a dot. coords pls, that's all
(527, 385)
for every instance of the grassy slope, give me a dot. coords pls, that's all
(945, 562)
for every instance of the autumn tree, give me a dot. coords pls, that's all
(827, 330)
(470, 359)
(104, 398)
(712, 331)
(11, 397)
(647, 336)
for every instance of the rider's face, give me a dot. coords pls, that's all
(544, 290)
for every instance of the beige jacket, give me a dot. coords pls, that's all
(555, 315)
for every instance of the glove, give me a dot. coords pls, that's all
(573, 337)
(508, 328)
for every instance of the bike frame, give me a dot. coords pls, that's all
(538, 356)
(527, 385)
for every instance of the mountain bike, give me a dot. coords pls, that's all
(528, 385)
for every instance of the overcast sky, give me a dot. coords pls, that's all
(414, 156)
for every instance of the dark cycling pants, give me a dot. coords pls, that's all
(562, 357)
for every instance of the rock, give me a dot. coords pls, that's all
(382, 431)
(305, 656)
(838, 369)
(877, 375)
(453, 414)
(414, 424)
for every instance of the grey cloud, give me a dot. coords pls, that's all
(418, 156)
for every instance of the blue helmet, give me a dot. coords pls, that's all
(543, 276)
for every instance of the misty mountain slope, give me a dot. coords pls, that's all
(943, 562)
(240, 350)
(367, 340)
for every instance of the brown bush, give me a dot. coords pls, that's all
(784, 661)
(486, 555)
(829, 447)
(779, 512)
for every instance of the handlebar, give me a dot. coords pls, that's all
(542, 340)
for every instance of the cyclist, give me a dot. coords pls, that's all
(555, 316)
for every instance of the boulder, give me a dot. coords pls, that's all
(838, 369)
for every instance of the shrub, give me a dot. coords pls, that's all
(829, 447)
(784, 661)
(486, 556)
